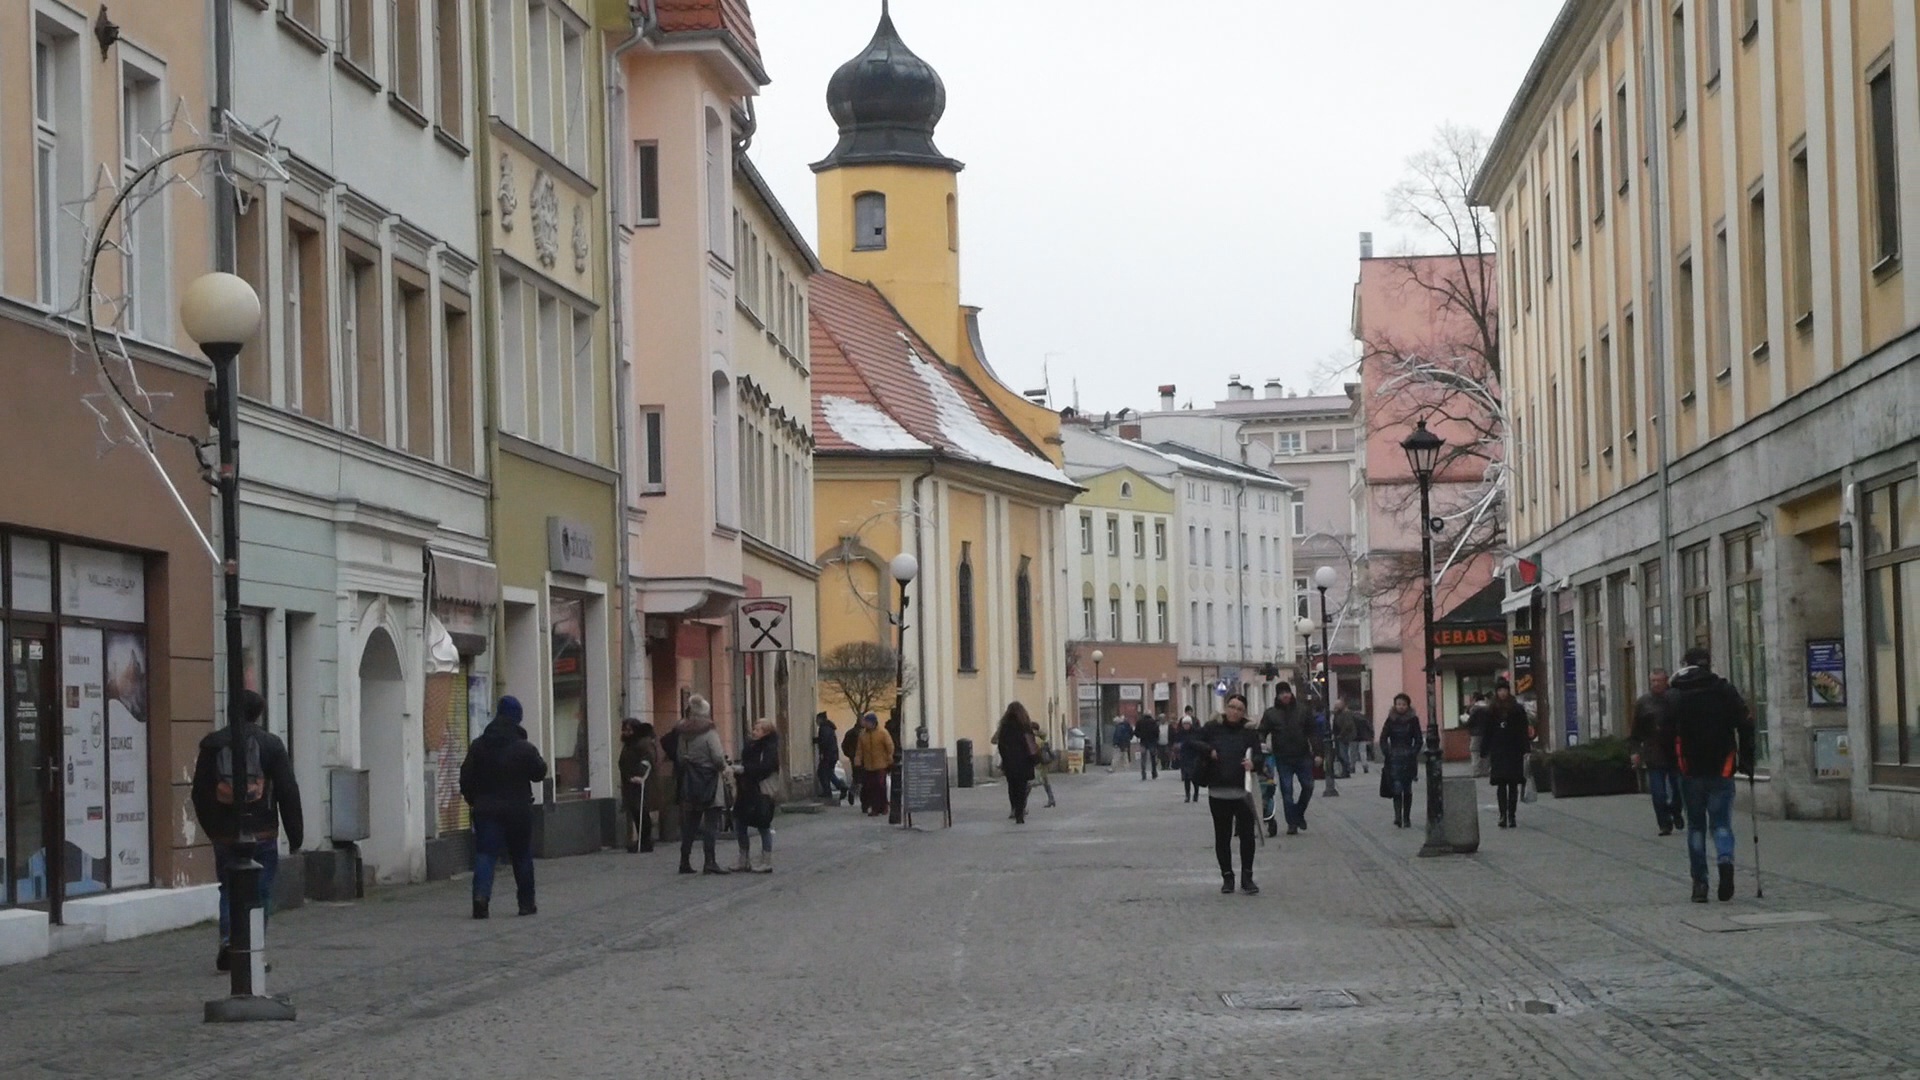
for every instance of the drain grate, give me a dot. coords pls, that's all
(1289, 1000)
(1533, 1007)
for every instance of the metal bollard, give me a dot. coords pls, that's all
(247, 948)
(963, 766)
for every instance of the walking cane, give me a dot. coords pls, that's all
(1253, 800)
(1753, 812)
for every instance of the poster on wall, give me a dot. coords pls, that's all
(84, 735)
(127, 758)
(1826, 673)
(1570, 661)
(1521, 642)
(98, 584)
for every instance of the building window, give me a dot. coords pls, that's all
(1677, 62)
(1622, 163)
(1546, 236)
(1746, 632)
(448, 97)
(1686, 366)
(719, 178)
(646, 183)
(1892, 551)
(1126, 489)
(363, 358)
(726, 510)
(1653, 622)
(506, 101)
(1593, 658)
(355, 33)
(1749, 20)
(456, 335)
(1160, 620)
(1206, 543)
(1713, 43)
(413, 366)
(1140, 617)
(1755, 300)
(1629, 376)
(1193, 546)
(1160, 540)
(1139, 538)
(1696, 590)
(309, 367)
(1113, 534)
(1086, 534)
(1023, 615)
(1581, 429)
(144, 239)
(1886, 166)
(963, 593)
(59, 163)
(250, 262)
(1800, 304)
(586, 434)
(1213, 627)
(1300, 598)
(1597, 156)
(573, 88)
(870, 221)
(1226, 549)
(1603, 393)
(513, 357)
(1576, 225)
(1113, 616)
(1299, 511)
(1088, 627)
(1290, 442)
(540, 73)
(403, 40)
(1722, 325)
(1193, 622)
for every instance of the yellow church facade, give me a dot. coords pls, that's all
(919, 448)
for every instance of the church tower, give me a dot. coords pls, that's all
(889, 210)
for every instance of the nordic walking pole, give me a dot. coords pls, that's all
(1753, 811)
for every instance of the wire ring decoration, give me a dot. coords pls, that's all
(131, 195)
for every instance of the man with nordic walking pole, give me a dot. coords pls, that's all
(1710, 729)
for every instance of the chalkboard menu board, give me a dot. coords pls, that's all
(926, 783)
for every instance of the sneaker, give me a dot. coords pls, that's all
(1726, 881)
(1699, 892)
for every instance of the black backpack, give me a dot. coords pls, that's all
(259, 788)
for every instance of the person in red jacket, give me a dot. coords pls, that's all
(1710, 728)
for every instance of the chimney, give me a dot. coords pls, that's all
(1130, 432)
(1273, 388)
(1366, 245)
(1237, 390)
(1166, 398)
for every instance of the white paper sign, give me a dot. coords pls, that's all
(84, 738)
(102, 584)
(127, 713)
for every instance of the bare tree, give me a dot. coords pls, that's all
(861, 675)
(1443, 368)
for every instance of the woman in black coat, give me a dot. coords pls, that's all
(1400, 742)
(753, 804)
(1019, 756)
(1507, 738)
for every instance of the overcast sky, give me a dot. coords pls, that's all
(1160, 190)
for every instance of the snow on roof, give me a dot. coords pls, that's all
(867, 427)
(1250, 475)
(971, 437)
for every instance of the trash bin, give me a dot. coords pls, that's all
(963, 753)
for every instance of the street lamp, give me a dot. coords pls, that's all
(1099, 712)
(1323, 580)
(221, 313)
(1423, 456)
(904, 568)
(1304, 627)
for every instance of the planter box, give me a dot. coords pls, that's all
(1571, 782)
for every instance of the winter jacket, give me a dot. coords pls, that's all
(874, 752)
(1506, 735)
(269, 777)
(1147, 731)
(1122, 733)
(1222, 749)
(1708, 724)
(697, 746)
(502, 766)
(850, 745)
(759, 762)
(1346, 726)
(636, 759)
(1400, 744)
(1649, 716)
(1017, 760)
(1189, 747)
(826, 742)
(1290, 731)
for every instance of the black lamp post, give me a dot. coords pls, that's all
(904, 568)
(1323, 580)
(1423, 456)
(1099, 713)
(221, 313)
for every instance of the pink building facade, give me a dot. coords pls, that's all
(1413, 344)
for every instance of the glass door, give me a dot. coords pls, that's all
(34, 807)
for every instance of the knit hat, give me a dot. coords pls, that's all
(1501, 683)
(699, 708)
(1284, 687)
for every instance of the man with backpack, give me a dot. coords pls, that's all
(1709, 726)
(246, 825)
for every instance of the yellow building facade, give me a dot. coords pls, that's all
(919, 448)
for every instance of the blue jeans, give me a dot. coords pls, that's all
(1709, 803)
(1290, 772)
(513, 834)
(1664, 786)
(267, 854)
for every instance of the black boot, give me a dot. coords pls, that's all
(1699, 892)
(1273, 828)
(223, 961)
(713, 867)
(1246, 883)
(529, 908)
(1226, 882)
(686, 864)
(1726, 881)
(479, 908)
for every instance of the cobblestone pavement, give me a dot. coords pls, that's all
(1091, 942)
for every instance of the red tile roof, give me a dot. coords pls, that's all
(731, 16)
(865, 352)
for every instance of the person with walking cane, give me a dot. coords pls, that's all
(1710, 728)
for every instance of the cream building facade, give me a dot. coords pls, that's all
(1710, 343)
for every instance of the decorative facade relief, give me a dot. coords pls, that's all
(509, 201)
(580, 247)
(544, 205)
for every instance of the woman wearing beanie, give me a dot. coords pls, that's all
(1505, 742)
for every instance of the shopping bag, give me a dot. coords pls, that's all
(1527, 793)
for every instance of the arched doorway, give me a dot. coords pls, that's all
(383, 706)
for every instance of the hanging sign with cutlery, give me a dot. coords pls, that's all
(764, 624)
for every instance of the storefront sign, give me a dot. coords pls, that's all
(1826, 673)
(927, 790)
(764, 624)
(1570, 667)
(102, 584)
(1130, 692)
(127, 758)
(1162, 691)
(569, 547)
(1521, 642)
(1450, 637)
(1089, 692)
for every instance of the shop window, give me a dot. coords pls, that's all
(572, 731)
(1653, 628)
(1746, 664)
(1892, 550)
(1696, 599)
